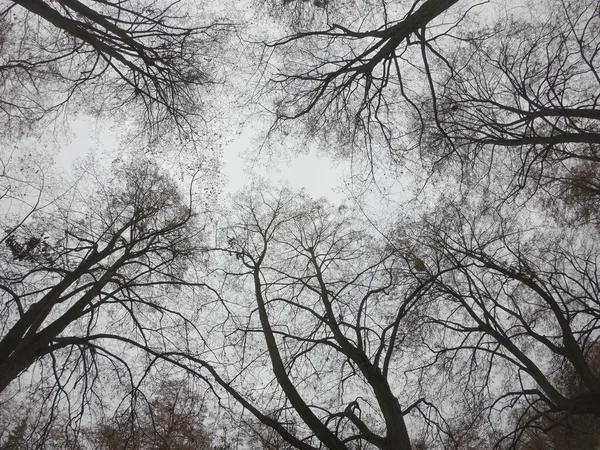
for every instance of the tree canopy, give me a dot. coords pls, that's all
(142, 306)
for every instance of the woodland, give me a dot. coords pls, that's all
(451, 300)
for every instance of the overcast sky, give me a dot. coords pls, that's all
(319, 175)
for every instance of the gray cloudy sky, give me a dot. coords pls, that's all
(319, 175)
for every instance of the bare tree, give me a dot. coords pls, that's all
(316, 328)
(77, 277)
(515, 305)
(150, 57)
(562, 430)
(364, 74)
(514, 92)
(523, 98)
(170, 420)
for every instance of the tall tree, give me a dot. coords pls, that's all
(170, 420)
(513, 304)
(149, 57)
(316, 324)
(523, 99)
(95, 267)
(352, 77)
(456, 84)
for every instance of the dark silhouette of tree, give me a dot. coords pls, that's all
(95, 267)
(523, 98)
(512, 304)
(171, 420)
(513, 103)
(563, 431)
(516, 96)
(351, 78)
(147, 57)
(320, 320)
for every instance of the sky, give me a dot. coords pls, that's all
(318, 174)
